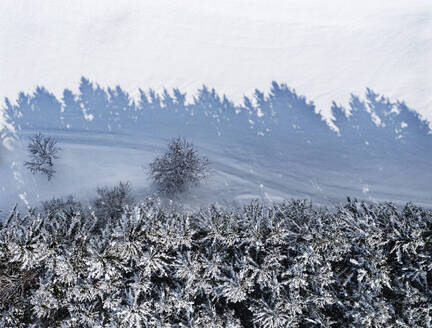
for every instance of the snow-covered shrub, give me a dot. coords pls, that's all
(179, 168)
(286, 265)
(110, 202)
(43, 151)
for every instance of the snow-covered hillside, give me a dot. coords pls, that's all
(324, 49)
(230, 163)
(265, 140)
(277, 149)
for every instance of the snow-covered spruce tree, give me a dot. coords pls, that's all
(43, 151)
(179, 168)
(285, 265)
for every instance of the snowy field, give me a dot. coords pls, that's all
(325, 51)
(240, 172)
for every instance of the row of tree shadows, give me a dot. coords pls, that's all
(370, 125)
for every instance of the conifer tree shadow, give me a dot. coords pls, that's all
(370, 125)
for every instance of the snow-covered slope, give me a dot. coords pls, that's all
(277, 149)
(324, 49)
(239, 174)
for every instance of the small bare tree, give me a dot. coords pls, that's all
(56, 205)
(179, 168)
(111, 201)
(43, 151)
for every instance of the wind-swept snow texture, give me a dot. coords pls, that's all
(273, 146)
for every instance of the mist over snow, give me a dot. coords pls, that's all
(325, 50)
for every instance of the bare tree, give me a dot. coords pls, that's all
(111, 201)
(43, 151)
(56, 205)
(179, 168)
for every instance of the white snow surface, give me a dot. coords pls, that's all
(324, 49)
(241, 172)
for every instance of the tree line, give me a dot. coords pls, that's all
(286, 265)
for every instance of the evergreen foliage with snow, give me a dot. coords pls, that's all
(179, 168)
(286, 265)
(42, 151)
